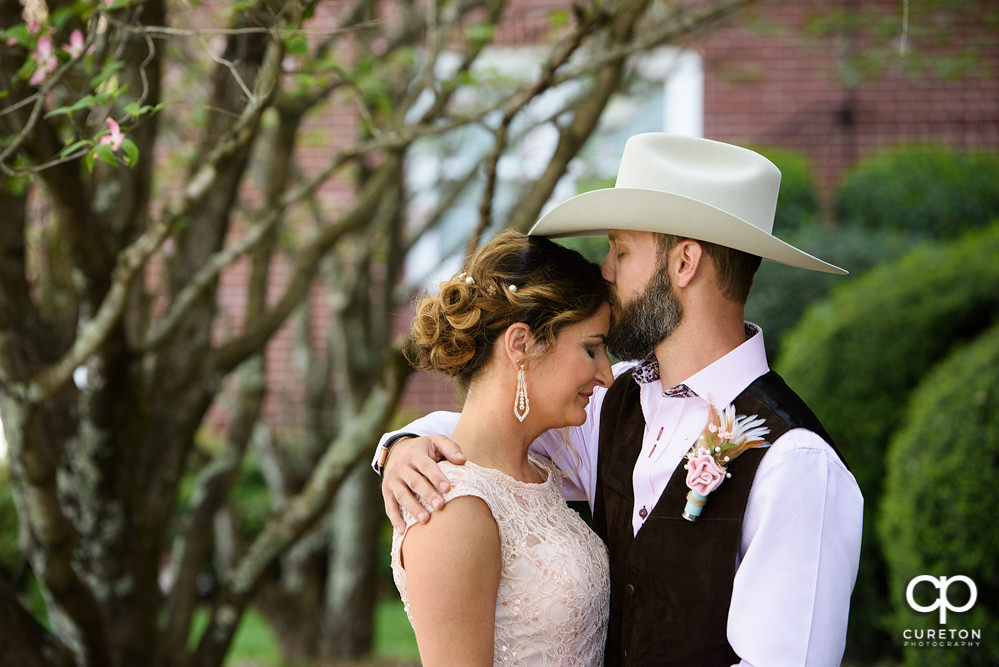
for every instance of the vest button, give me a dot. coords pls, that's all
(629, 589)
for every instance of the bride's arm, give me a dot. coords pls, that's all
(452, 574)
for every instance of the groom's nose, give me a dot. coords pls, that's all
(607, 269)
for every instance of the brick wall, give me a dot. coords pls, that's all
(773, 84)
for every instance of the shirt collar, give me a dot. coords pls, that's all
(647, 370)
(724, 379)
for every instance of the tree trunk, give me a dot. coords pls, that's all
(293, 606)
(351, 587)
(26, 642)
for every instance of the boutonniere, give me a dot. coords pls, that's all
(726, 436)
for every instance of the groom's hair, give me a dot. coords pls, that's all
(735, 268)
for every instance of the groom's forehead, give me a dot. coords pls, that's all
(628, 236)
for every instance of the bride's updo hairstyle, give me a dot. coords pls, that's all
(512, 278)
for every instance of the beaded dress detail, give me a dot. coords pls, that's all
(553, 599)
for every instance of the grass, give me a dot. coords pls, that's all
(393, 634)
(256, 645)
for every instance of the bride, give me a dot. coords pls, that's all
(506, 573)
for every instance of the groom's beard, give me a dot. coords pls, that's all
(638, 326)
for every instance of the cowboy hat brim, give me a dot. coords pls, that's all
(598, 211)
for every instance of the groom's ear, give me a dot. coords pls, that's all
(516, 340)
(685, 261)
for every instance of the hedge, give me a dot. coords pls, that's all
(798, 199)
(856, 356)
(940, 497)
(781, 294)
(593, 248)
(931, 191)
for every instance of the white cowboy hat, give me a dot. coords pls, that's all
(690, 187)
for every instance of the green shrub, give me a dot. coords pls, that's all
(798, 200)
(781, 294)
(855, 356)
(939, 495)
(931, 191)
(593, 248)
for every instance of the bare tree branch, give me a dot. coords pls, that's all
(233, 352)
(94, 332)
(212, 488)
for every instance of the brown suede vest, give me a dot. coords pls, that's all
(671, 585)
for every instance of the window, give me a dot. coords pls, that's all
(664, 94)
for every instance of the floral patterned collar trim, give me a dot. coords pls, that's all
(647, 371)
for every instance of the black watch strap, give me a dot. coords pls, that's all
(383, 450)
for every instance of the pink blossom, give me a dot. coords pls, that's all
(75, 46)
(115, 138)
(12, 41)
(45, 59)
(703, 474)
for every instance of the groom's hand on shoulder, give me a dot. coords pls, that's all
(411, 470)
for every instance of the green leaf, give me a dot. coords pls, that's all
(107, 71)
(62, 16)
(296, 44)
(559, 18)
(26, 69)
(19, 33)
(105, 154)
(131, 152)
(75, 146)
(89, 160)
(464, 78)
(84, 102)
(480, 34)
(18, 185)
(135, 111)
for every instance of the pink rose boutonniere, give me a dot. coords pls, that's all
(725, 437)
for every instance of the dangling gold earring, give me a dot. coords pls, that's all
(521, 404)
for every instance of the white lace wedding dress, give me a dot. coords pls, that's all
(553, 597)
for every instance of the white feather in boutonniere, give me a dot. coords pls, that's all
(725, 437)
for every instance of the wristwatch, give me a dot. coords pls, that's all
(381, 456)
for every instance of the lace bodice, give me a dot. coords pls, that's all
(552, 604)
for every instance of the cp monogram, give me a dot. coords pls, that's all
(942, 584)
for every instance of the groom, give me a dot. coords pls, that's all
(764, 576)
